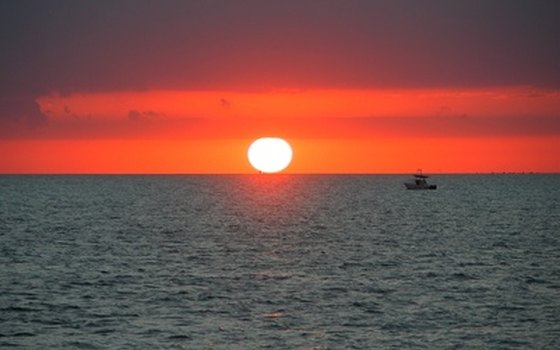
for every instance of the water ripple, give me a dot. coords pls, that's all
(292, 262)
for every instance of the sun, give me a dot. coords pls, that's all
(270, 154)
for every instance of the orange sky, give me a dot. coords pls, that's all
(513, 129)
(328, 103)
(355, 86)
(383, 155)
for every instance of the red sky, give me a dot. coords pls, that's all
(355, 87)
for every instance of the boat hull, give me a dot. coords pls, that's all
(414, 186)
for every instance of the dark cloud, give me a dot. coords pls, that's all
(332, 128)
(460, 125)
(71, 46)
(80, 45)
(225, 103)
(21, 110)
(136, 116)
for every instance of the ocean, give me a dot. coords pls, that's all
(279, 262)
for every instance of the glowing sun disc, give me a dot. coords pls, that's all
(270, 154)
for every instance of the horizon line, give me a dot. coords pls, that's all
(281, 173)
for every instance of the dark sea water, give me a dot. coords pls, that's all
(279, 262)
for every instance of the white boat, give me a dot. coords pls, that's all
(419, 183)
